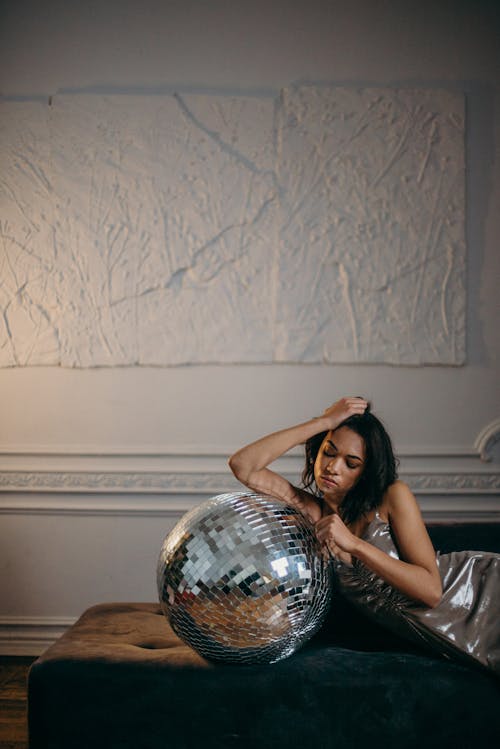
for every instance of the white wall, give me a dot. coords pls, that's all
(98, 464)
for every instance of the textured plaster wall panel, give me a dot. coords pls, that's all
(372, 253)
(28, 253)
(327, 226)
(157, 247)
(166, 226)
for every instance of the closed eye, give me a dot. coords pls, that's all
(354, 462)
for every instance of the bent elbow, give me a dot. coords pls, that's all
(434, 598)
(236, 467)
(232, 462)
(437, 599)
(432, 601)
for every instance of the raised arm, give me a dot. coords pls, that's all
(416, 573)
(249, 464)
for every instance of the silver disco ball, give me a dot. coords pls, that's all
(242, 579)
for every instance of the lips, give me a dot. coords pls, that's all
(329, 481)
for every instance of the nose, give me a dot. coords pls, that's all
(332, 465)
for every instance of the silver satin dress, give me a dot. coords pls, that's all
(465, 624)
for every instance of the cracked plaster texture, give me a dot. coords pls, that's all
(324, 226)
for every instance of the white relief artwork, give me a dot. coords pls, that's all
(162, 231)
(28, 252)
(373, 216)
(323, 226)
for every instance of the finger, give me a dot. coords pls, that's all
(323, 522)
(325, 536)
(325, 552)
(333, 549)
(358, 404)
(337, 522)
(322, 536)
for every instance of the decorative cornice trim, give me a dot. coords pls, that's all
(487, 438)
(87, 482)
(475, 495)
(126, 451)
(120, 482)
(203, 483)
(165, 480)
(453, 483)
(194, 451)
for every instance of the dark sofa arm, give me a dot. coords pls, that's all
(448, 537)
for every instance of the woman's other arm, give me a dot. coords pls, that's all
(416, 573)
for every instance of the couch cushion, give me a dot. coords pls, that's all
(120, 678)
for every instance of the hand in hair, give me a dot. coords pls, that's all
(343, 409)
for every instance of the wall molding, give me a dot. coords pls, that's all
(194, 449)
(453, 483)
(122, 482)
(167, 481)
(487, 439)
(436, 506)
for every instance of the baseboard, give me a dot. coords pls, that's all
(30, 635)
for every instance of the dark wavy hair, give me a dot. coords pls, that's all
(380, 469)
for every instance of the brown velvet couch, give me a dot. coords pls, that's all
(120, 678)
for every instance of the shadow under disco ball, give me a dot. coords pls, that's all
(241, 579)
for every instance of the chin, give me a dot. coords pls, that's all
(332, 499)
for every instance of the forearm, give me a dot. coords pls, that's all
(254, 457)
(268, 482)
(414, 581)
(259, 454)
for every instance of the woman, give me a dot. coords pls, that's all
(372, 527)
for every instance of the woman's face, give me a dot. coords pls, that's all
(339, 464)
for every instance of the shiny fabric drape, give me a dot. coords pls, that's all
(465, 624)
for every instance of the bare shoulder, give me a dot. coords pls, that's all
(398, 491)
(409, 528)
(399, 499)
